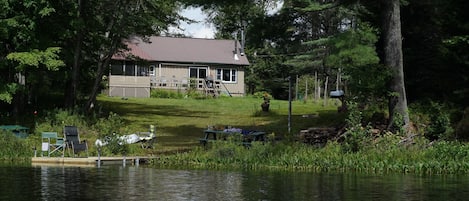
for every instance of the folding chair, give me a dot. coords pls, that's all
(72, 140)
(51, 143)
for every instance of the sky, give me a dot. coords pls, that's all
(203, 29)
(195, 30)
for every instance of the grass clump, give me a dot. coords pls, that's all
(14, 148)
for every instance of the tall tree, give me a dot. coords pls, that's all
(25, 49)
(393, 58)
(79, 27)
(117, 21)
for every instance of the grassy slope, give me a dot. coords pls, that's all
(180, 122)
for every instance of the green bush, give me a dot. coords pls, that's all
(356, 135)
(462, 128)
(12, 147)
(433, 120)
(195, 94)
(262, 94)
(444, 151)
(106, 126)
(115, 145)
(160, 93)
(55, 120)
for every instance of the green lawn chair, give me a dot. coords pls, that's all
(52, 143)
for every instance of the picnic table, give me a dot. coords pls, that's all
(248, 136)
(19, 131)
(257, 136)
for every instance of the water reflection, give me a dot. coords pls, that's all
(143, 183)
(132, 183)
(310, 186)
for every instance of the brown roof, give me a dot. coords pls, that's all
(186, 50)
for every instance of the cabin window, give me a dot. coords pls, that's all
(227, 74)
(198, 73)
(117, 68)
(129, 68)
(142, 71)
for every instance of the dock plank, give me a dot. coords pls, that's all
(88, 161)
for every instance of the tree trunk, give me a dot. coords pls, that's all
(72, 88)
(306, 90)
(316, 84)
(393, 59)
(96, 86)
(71, 97)
(103, 65)
(325, 91)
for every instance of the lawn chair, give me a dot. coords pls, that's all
(51, 143)
(147, 139)
(72, 140)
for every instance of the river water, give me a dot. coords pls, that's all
(144, 183)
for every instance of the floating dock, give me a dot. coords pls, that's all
(90, 161)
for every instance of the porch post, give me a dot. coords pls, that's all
(159, 70)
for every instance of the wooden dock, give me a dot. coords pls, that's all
(90, 161)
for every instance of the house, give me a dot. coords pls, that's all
(210, 66)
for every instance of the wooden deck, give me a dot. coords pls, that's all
(89, 161)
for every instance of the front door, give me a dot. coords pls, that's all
(198, 72)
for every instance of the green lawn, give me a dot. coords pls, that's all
(180, 122)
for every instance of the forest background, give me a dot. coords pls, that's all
(384, 54)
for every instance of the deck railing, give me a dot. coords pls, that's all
(184, 83)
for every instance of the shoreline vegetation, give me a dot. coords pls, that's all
(180, 123)
(440, 158)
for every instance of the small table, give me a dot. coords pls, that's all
(211, 134)
(257, 136)
(216, 134)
